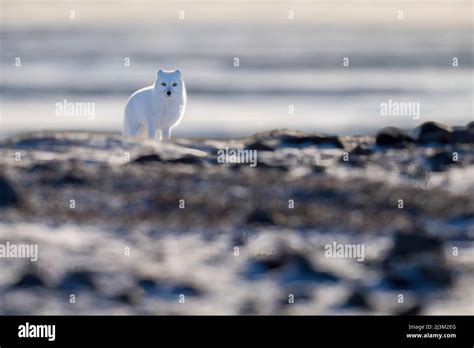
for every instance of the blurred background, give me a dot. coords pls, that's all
(128, 248)
(290, 58)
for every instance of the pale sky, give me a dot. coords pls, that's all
(424, 13)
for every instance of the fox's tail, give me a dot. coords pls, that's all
(127, 132)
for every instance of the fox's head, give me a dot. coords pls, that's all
(169, 82)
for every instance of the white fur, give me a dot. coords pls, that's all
(151, 108)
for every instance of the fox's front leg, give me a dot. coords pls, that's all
(167, 133)
(152, 132)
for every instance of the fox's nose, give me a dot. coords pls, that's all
(169, 92)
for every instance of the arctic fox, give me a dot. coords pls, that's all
(159, 107)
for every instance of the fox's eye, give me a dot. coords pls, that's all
(175, 84)
(163, 84)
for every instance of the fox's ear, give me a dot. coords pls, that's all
(178, 72)
(159, 73)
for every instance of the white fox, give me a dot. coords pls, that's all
(157, 107)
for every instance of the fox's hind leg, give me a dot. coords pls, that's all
(129, 130)
(133, 129)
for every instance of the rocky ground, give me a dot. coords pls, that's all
(139, 227)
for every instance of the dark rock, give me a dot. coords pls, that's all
(470, 125)
(44, 167)
(397, 281)
(433, 132)
(358, 156)
(147, 158)
(46, 141)
(129, 297)
(265, 165)
(418, 276)
(268, 263)
(183, 289)
(259, 146)
(78, 280)
(260, 216)
(239, 237)
(291, 267)
(29, 280)
(148, 285)
(292, 137)
(318, 169)
(300, 269)
(394, 137)
(440, 161)
(462, 136)
(407, 244)
(187, 159)
(416, 261)
(361, 150)
(71, 179)
(168, 291)
(298, 139)
(8, 195)
(357, 299)
(415, 309)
